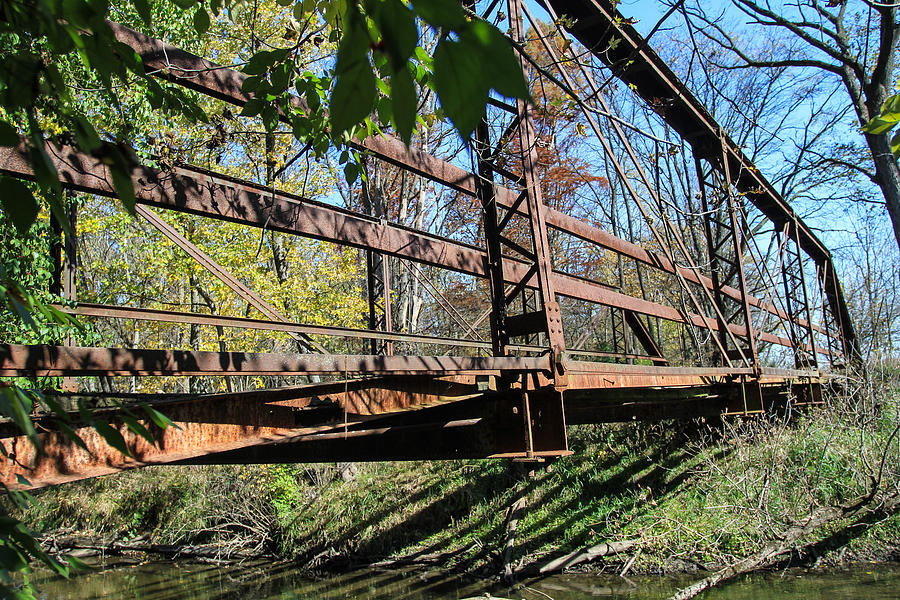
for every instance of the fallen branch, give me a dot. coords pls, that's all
(515, 513)
(788, 540)
(579, 556)
(115, 548)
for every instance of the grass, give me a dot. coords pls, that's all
(693, 492)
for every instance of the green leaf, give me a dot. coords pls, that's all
(352, 98)
(184, 3)
(263, 60)
(11, 560)
(71, 435)
(253, 107)
(77, 564)
(143, 9)
(891, 104)
(135, 426)
(881, 124)
(384, 110)
(16, 405)
(112, 437)
(354, 90)
(9, 136)
(399, 33)
(502, 68)
(269, 116)
(460, 84)
(85, 134)
(251, 84)
(18, 203)
(351, 173)
(161, 420)
(201, 20)
(422, 56)
(440, 13)
(404, 104)
(281, 76)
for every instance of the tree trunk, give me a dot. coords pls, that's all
(887, 175)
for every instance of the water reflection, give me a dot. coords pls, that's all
(167, 580)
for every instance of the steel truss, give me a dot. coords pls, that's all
(509, 394)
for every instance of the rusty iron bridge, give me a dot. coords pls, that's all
(771, 325)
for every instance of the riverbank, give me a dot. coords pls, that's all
(691, 495)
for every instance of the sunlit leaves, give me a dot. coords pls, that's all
(882, 123)
(886, 121)
(471, 58)
(466, 70)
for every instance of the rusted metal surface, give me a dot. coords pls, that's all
(42, 361)
(152, 314)
(219, 422)
(724, 242)
(549, 315)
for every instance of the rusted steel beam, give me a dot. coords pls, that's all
(643, 337)
(683, 402)
(152, 314)
(40, 361)
(251, 427)
(196, 73)
(489, 426)
(549, 311)
(195, 191)
(37, 361)
(596, 24)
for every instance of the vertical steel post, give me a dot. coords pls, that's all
(64, 257)
(378, 288)
(552, 317)
(797, 302)
(484, 191)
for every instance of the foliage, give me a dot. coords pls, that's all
(886, 121)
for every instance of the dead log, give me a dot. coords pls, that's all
(579, 556)
(515, 513)
(789, 539)
(80, 545)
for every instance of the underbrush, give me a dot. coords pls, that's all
(695, 493)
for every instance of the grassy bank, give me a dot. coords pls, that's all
(696, 494)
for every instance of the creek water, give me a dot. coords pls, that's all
(168, 580)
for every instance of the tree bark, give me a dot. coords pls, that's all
(887, 176)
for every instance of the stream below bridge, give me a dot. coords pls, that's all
(171, 580)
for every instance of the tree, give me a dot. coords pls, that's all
(855, 43)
